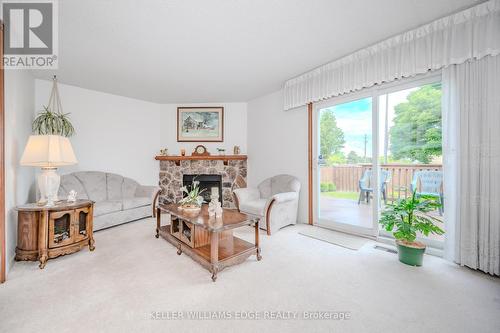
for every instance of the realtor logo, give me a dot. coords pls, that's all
(30, 34)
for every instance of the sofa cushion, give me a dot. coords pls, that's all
(106, 207)
(129, 203)
(254, 207)
(70, 182)
(114, 186)
(128, 187)
(94, 183)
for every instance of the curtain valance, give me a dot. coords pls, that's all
(469, 34)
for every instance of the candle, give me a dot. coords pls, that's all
(215, 191)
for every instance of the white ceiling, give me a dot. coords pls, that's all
(220, 50)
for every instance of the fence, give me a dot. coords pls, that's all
(346, 177)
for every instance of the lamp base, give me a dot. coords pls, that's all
(48, 183)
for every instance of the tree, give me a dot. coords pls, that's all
(331, 136)
(416, 133)
(354, 158)
(337, 158)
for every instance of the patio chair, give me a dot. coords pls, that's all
(431, 183)
(365, 185)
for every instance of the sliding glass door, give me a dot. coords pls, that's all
(410, 147)
(344, 176)
(375, 148)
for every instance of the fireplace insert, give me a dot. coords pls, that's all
(206, 182)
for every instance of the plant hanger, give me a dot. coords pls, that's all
(55, 104)
(51, 120)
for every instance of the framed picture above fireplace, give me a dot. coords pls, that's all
(200, 124)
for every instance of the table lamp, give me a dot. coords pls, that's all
(48, 152)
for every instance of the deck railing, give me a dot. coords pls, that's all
(346, 177)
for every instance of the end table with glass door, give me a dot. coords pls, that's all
(47, 232)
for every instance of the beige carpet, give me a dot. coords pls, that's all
(131, 274)
(334, 237)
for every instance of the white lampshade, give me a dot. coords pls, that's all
(48, 151)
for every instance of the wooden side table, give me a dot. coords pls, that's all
(48, 232)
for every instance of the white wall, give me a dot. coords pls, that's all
(277, 143)
(123, 135)
(235, 129)
(19, 181)
(113, 133)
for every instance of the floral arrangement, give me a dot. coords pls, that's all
(193, 199)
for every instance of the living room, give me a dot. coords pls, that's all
(278, 166)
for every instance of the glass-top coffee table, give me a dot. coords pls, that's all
(208, 240)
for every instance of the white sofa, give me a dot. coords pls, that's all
(117, 199)
(275, 201)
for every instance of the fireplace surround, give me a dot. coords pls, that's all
(232, 170)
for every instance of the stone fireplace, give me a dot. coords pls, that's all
(232, 170)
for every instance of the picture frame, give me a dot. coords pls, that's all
(200, 124)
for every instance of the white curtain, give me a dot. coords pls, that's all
(471, 144)
(470, 34)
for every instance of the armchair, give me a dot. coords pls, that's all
(275, 201)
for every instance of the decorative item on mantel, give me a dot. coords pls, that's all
(221, 151)
(200, 150)
(236, 150)
(191, 203)
(164, 152)
(183, 152)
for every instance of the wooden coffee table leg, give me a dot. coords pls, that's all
(158, 220)
(257, 245)
(214, 254)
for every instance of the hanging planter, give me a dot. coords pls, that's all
(52, 120)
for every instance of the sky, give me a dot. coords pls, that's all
(355, 120)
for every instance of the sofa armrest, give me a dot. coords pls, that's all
(246, 194)
(284, 197)
(152, 192)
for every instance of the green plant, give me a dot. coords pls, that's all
(327, 187)
(409, 216)
(48, 122)
(193, 197)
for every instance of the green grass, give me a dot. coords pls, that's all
(341, 195)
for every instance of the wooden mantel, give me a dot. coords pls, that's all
(178, 159)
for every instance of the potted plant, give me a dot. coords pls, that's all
(49, 122)
(191, 203)
(405, 218)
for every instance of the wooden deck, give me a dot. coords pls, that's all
(346, 177)
(348, 212)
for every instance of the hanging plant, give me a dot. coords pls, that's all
(52, 121)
